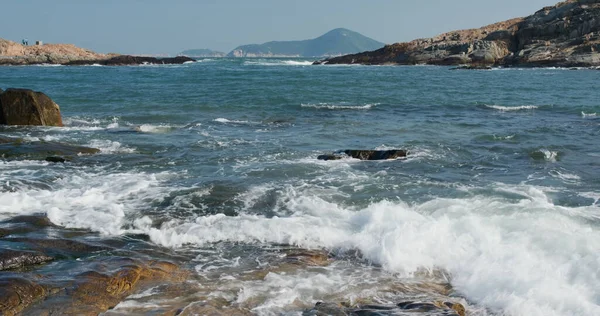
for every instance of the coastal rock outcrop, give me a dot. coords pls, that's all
(127, 60)
(12, 53)
(365, 154)
(564, 35)
(28, 107)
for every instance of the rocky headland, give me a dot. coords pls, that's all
(15, 54)
(564, 35)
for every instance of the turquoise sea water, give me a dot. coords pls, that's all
(500, 190)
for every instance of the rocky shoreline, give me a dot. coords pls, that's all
(14, 54)
(565, 35)
(47, 269)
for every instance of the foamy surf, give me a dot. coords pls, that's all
(338, 106)
(502, 108)
(513, 256)
(238, 122)
(276, 62)
(584, 115)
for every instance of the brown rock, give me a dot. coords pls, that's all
(27, 107)
(16, 294)
(96, 291)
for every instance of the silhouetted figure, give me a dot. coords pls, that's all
(23, 41)
(26, 42)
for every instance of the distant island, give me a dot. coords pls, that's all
(202, 52)
(333, 43)
(564, 35)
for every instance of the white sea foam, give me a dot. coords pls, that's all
(583, 114)
(49, 65)
(110, 147)
(228, 121)
(277, 62)
(523, 257)
(566, 177)
(155, 129)
(83, 199)
(502, 108)
(549, 155)
(339, 106)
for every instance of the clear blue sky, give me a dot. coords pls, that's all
(167, 27)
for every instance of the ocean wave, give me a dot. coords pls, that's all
(110, 147)
(499, 252)
(545, 155)
(339, 106)
(502, 108)
(49, 65)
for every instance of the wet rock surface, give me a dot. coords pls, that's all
(11, 259)
(564, 35)
(28, 107)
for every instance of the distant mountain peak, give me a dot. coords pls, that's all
(336, 42)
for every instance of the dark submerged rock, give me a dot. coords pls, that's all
(56, 159)
(365, 154)
(28, 107)
(49, 151)
(63, 247)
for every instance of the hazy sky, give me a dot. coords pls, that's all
(167, 27)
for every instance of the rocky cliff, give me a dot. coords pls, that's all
(564, 35)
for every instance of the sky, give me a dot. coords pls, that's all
(168, 27)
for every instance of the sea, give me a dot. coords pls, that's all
(213, 164)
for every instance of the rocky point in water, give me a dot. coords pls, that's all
(12, 53)
(564, 35)
(365, 154)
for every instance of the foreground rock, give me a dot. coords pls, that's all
(365, 155)
(90, 293)
(28, 107)
(564, 35)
